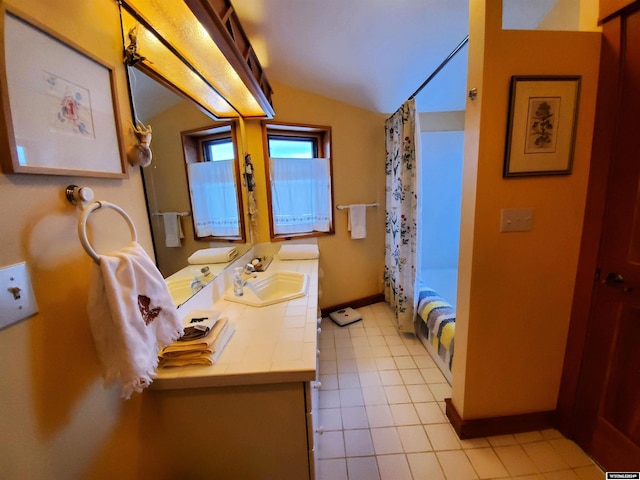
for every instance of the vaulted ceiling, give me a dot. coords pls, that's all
(375, 53)
(370, 53)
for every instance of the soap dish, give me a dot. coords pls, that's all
(263, 264)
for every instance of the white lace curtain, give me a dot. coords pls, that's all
(214, 199)
(300, 194)
(402, 144)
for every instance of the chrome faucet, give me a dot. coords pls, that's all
(242, 276)
(248, 272)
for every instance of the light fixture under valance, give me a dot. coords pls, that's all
(177, 42)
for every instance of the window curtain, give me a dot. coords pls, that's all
(213, 198)
(402, 145)
(300, 194)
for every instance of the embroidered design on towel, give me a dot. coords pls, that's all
(148, 314)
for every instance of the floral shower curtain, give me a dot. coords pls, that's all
(402, 143)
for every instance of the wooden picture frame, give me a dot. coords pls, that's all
(59, 104)
(541, 129)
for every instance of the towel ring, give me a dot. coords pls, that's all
(82, 225)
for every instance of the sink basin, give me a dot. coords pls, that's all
(271, 288)
(180, 289)
(179, 283)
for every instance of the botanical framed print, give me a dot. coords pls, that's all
(59, 104)
(543, 112)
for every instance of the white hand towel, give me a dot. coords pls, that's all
(358, 221)
(213, 255)
(132, 317)
(298, 252)
(172, 229)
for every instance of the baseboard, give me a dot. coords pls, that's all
(361, 302)
(487, 427)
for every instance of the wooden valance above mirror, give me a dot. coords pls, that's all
(198, 48)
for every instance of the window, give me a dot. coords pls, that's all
(212, 170)
(218, 149)
(299, 173)
(281, 146)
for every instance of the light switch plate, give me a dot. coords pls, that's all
(17, 300)
(516, 220)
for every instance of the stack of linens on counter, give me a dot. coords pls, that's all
(299, 252)
(213, 255)
(205, 335)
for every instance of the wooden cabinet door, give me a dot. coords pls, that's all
(609, 386)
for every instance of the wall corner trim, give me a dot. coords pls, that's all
(487, 427)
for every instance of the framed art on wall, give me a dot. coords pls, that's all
(541, 129)
(59, 105)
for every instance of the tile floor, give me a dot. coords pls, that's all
(381, 408)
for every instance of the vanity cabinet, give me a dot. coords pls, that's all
(249, 432)
(253, 415)
(312, 393)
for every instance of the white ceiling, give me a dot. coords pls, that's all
(375, 53)
(370, 53)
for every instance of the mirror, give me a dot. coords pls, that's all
(192, 185)
(212, 171)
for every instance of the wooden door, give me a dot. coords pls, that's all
(608, 395)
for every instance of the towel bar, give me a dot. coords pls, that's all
(82, 225)
(182, 214)
(343, 207)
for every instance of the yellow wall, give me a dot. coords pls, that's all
(358, 167)
(516, 288)
(57, 420)
(352, 268)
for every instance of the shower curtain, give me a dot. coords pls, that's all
(402, 144)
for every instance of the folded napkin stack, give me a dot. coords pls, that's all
(298, 252)
(213, 255)
(206, 334)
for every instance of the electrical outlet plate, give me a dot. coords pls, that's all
(17, 300)
(516, 220)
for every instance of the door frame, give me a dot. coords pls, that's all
(568, 410)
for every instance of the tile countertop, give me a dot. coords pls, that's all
(272, 344)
